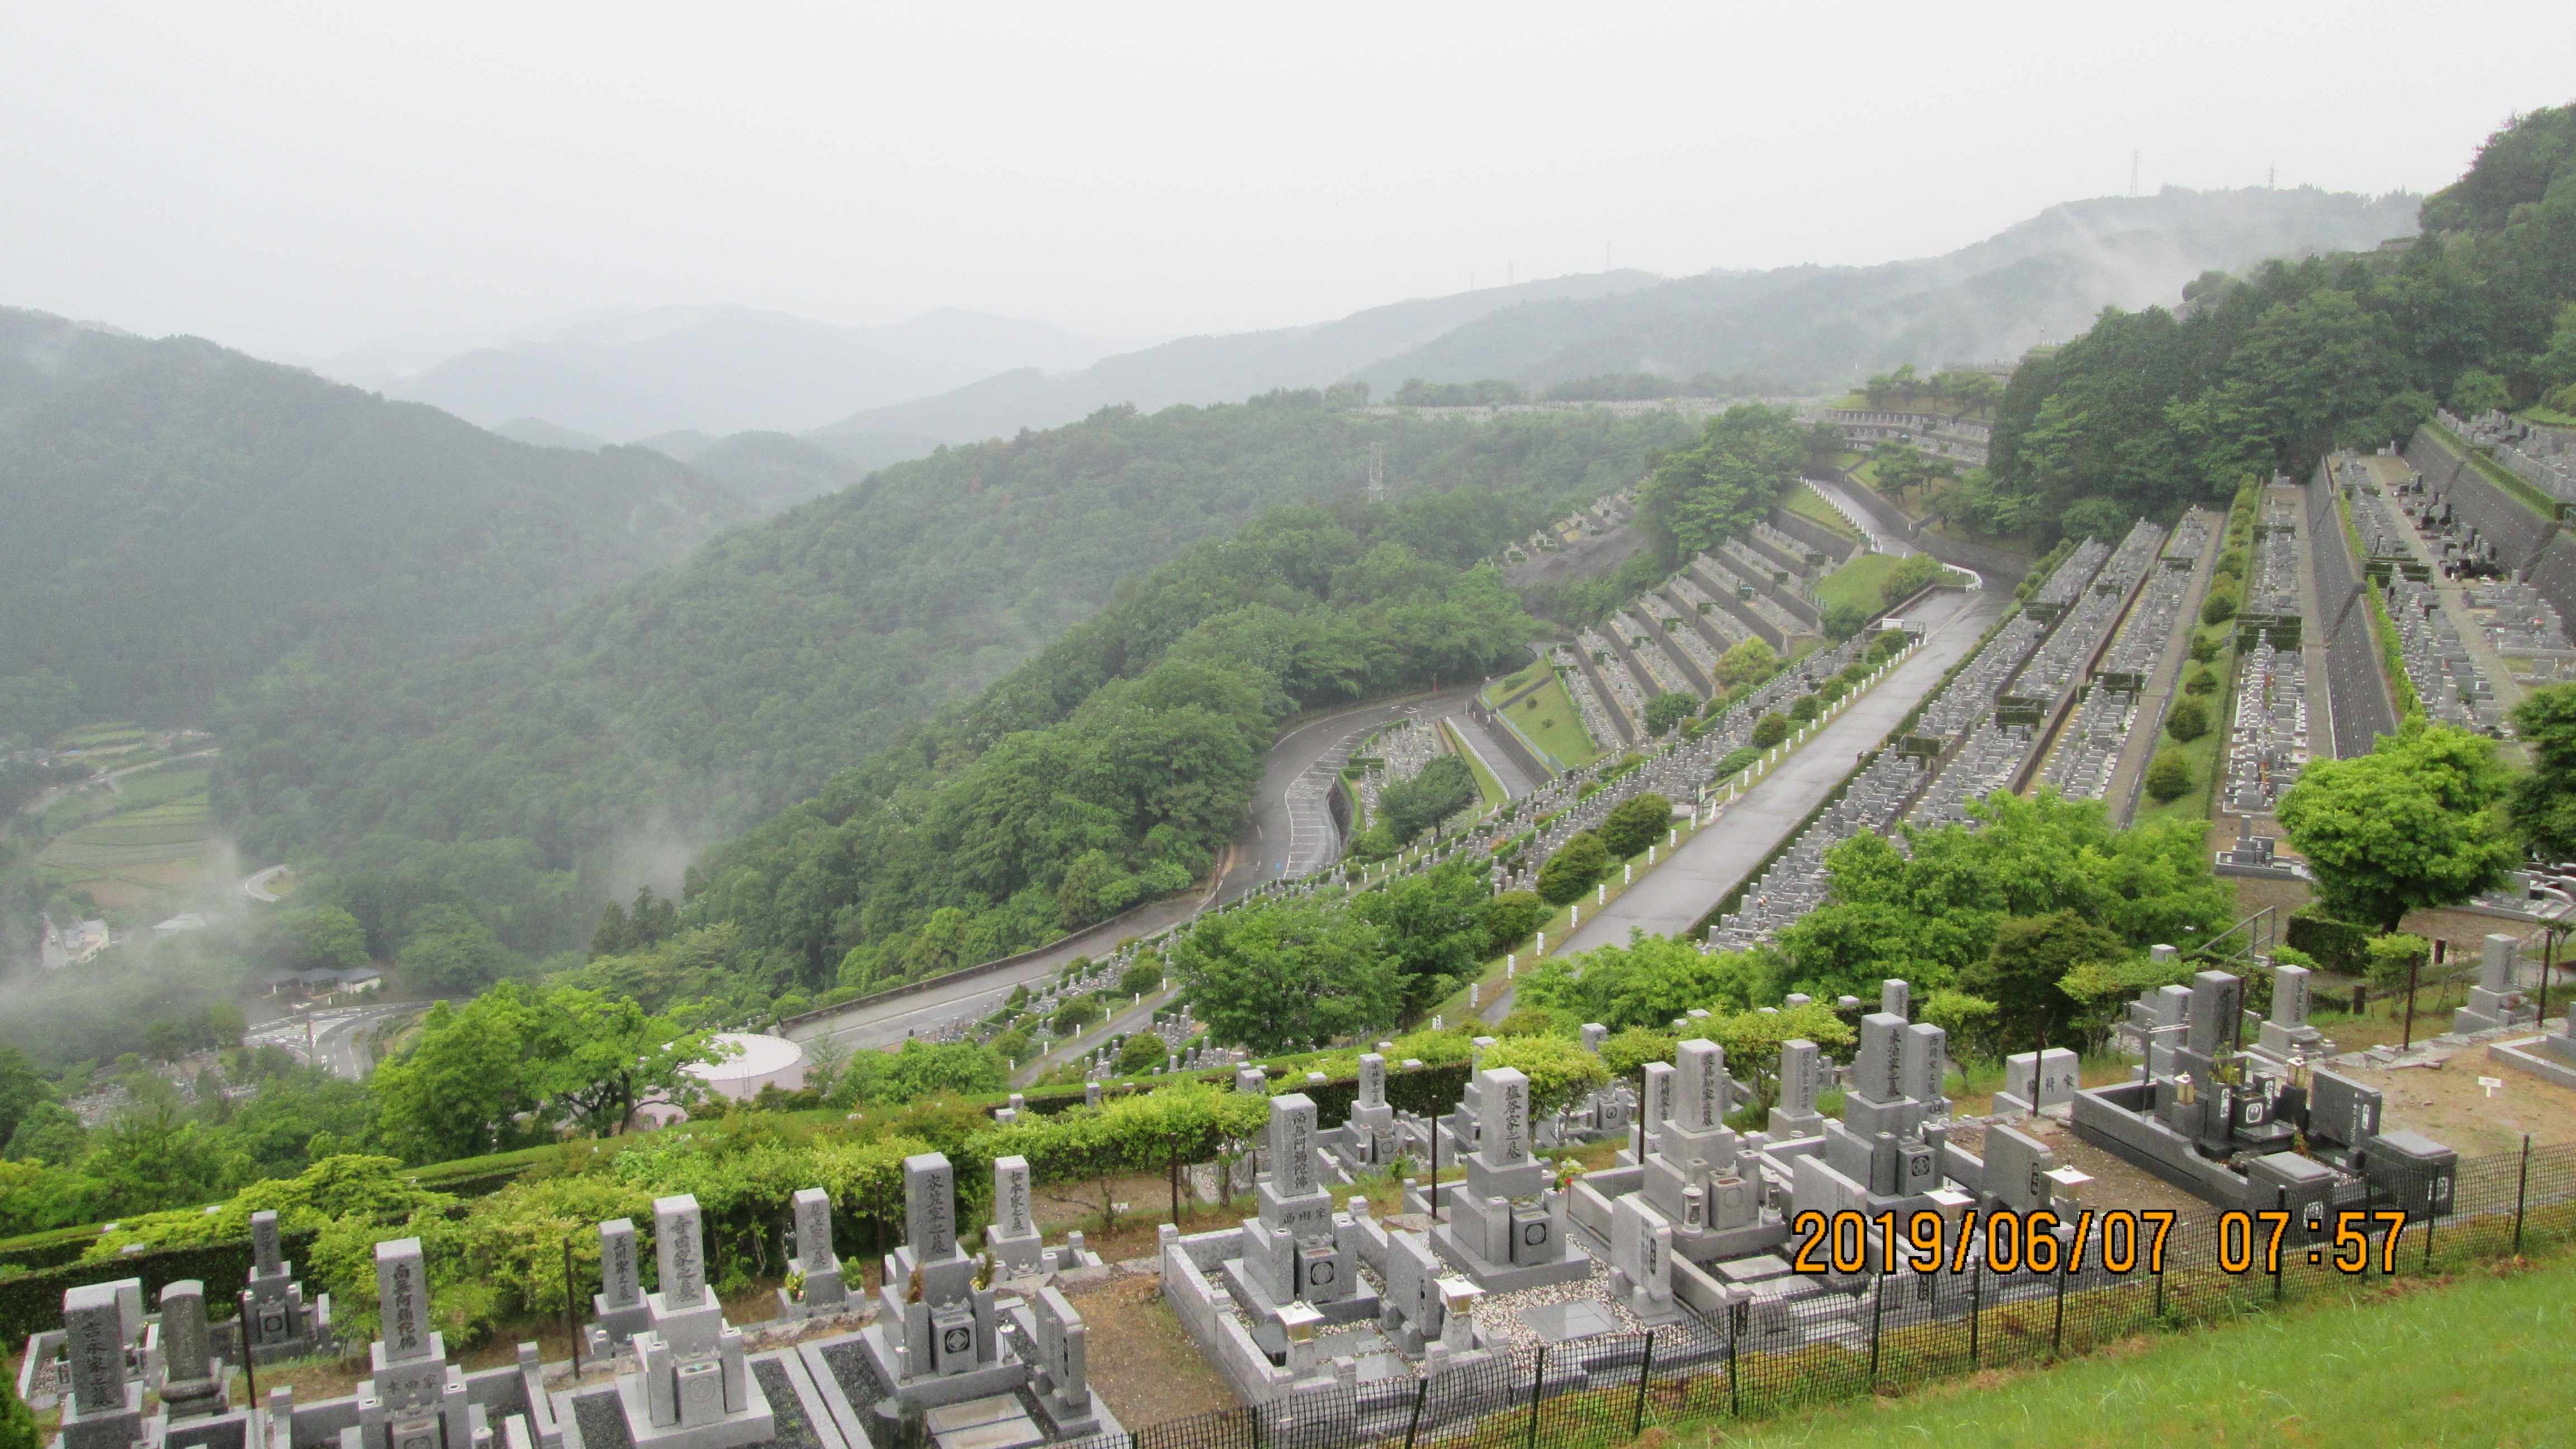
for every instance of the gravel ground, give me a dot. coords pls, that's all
(1141, 1360)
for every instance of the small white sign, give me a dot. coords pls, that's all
(2492, 1084)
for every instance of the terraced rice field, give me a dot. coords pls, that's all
(157, 827)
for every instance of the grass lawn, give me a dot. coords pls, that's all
(1549, 717)
(1504, 688)
(101, 736)
(2202, 753)
(1857, 583)
(1804, 502)
(2478, 1358)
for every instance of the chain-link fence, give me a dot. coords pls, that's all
(1849, 1334)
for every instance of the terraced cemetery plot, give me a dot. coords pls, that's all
(1548, 716)
(1857, 583)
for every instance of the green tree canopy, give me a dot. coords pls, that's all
(2413, 824)
(2543, 803)
(1290, 973)
(1575, 867)
(1641, 820)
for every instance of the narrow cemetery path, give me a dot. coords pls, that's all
(1489, 752)
(1670, 899)
(1861, 517)
(2122, 792)
(2357, 689)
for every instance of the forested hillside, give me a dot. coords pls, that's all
(1815, 326)
(1118, 762)
(2155, 410)
(661, 717)
(181, 517)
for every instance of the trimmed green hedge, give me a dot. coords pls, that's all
(2337, 945)
(33, 1302)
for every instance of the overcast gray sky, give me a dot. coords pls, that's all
(293, 179)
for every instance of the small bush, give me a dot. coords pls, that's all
(1770, 730)
(2187, 721)
(2204, 680)
(2220, 607)
(2205, 647)
(2169, 778)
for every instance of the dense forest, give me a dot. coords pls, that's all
(1119, 761)
(2150, 412)
(565, 762)
(182, 517)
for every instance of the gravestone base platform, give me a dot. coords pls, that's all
(912, 1397)
(1715, 1245)
(754, 1425)
(2533, 1054)
(619, 1325)
(1574, 1267)
(1257, 1306)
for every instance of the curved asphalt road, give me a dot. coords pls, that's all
(1291, 833)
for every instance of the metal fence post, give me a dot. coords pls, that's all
(2521, 1192)
(1645, 1370)
(1976, 1314)
(572, 1317)
(2057, 1329)
(2160, 1290)
(250, 1371)
(1538, 1378)
(2429, 1216)
(1736, 1314)
(1421, 1391)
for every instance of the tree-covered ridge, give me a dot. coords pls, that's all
(2156, 410)
(182, 517)
(1120, 760)
(695, 701)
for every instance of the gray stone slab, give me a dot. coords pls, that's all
(1564, 1322)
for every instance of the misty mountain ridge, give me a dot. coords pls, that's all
(1211, 369)
(183, 516)
(625, 375)
(1815, 327)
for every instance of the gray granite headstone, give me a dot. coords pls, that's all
(1702, 1088)
(814, 1230)
(267, 1260)
(402, 1299)
(930, 1206)
(680, 1250)
(621, 1276)
(94, 1343)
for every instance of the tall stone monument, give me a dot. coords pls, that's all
(105, 1409)
(618, 1306)
(1293, 1252)
(821, 1291)
(281, 1324)
(1507, 1222)
(192, 1379)
(691, 1388)
(2493, 1002)
(1703, 1183)
(1368, 1139)
(936, 1340)
(414, 1398)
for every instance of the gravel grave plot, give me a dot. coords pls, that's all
(1139, 1357)
(602, 1421)
(2116, 1183)
(786, 1410)
(1498, 1315)
(2447, 1104)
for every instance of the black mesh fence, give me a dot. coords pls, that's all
(1850, 1334)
